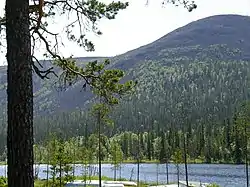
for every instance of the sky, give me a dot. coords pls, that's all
(140, 24)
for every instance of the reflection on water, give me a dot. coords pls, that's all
(224, 175)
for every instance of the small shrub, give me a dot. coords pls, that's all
(3, 182)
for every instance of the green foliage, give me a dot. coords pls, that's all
(108, 88)
(217, 143)
(104, 83)
(116, 153)
(177, 157)
(243, 116)
(3, 182)
(60, 160)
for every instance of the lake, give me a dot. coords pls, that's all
(223, 174)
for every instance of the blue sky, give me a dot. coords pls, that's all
(141, 24)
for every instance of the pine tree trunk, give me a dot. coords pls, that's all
(167, 171)
(246, 156)
(185, 160)
(178, 175)
(20, 95)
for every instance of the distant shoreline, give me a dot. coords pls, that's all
(144, 162)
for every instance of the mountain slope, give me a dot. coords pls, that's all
(224, 38)
(48, 98)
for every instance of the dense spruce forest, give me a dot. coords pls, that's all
(193, 86)
(221, 143)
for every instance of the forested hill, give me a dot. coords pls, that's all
(197, 74)
(194, 39)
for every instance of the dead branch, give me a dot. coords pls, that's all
(42, 73)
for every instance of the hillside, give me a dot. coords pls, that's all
(48, 98)
(196, 74)
(192, 39)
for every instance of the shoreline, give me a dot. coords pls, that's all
(2, 163)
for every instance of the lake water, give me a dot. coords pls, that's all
(222, 174)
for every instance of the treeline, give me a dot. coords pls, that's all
(225, 143)
(205, 144)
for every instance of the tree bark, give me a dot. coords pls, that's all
(185, 160)
(20, 95)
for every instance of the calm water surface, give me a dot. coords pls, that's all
(224, 175)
